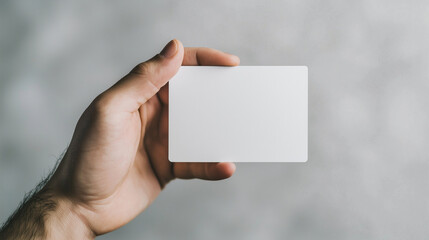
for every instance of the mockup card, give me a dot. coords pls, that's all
(238, 114)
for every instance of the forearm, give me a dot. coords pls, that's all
(45, 216)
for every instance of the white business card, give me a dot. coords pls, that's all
(239, 114)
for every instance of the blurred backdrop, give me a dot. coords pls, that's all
(368, 171)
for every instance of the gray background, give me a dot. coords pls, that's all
(367, 174)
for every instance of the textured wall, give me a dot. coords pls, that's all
(367, 174)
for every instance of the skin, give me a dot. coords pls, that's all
(117, 162)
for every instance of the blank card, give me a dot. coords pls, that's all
(238, 114)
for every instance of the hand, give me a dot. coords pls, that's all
(117, 162)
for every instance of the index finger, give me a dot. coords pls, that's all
(208, 57)
(201, 170)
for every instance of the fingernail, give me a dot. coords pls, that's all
(170, 49)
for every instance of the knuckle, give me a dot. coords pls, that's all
(143, 69)
(101, 104)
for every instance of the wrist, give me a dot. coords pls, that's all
(66, 221)
(46, 215)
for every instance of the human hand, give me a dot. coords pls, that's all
(117, 162)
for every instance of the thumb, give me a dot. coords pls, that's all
(145, 80)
